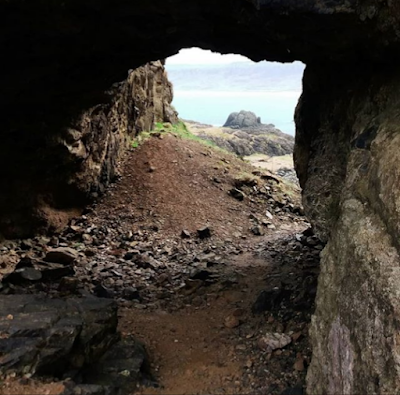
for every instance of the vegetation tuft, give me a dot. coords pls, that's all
(179, 130)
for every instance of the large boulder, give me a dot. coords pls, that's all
(242, 119)
(71, 338)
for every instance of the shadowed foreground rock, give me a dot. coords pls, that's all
(74, 338)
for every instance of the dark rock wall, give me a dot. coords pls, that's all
(58, 59)
(51, 177)
(347, 157)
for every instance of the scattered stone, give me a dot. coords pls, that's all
(62, 255)
(122, 366)
(296, 336)
(185, 234)
(298, 390)
(269, 215)
(270, 300)
(54, 242)
(231, 322)
(257, 230)
(87, 239)
(27, 244)
(274, 341)
(129, 256)
(90, 252)
(68, 284)
(239, 313)
(131, 293)
(23, 275)
(86, 389)
(299, 364)
(54, 271)
(237, 194)
(202, 275)
(31, 274)
(103, 292)
(145, 261)
(204, 233)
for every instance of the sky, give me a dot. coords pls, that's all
(200, 56)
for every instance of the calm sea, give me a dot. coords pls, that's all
(214, 107)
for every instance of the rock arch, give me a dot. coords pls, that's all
(58, 59)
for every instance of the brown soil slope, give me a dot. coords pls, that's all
(184, 185)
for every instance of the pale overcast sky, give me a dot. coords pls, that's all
(200, 56)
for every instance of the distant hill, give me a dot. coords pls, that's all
(242, 76)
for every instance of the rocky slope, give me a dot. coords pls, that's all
(220, 292)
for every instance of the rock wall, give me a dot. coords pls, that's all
(60, 57)
(347, 157)
(65, 170)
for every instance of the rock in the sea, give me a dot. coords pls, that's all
(242, 119)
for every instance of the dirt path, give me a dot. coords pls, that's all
(195, 350)
(205, 257)
(210, 345)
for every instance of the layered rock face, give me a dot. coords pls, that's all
(64, 170)
(60, 58)
(348, 160)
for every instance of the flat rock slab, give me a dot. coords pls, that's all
(62, 255)
(46, 336)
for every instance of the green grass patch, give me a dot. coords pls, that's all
(140, 139)
(179, 129)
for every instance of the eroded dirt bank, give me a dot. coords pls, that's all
(210, 262)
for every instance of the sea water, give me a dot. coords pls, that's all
(214, 107)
